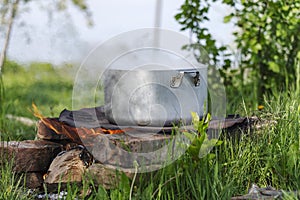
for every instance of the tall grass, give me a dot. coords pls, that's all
(298, 77)
(270, 156)
(11, 185)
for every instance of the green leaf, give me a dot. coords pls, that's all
(298, 55)
(257, 47)
(194, 151)
(218, 143)
(195, 120)
(211, 156)
(285, 8)
(190, 136)
(229, 2)
(201, 139)
(207, 118)
(178, 16)
(195, 116)
(227, 18)
(222, 48)
(274, 67)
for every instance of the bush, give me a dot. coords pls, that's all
(267, 36)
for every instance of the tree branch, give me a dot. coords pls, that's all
(11, 19)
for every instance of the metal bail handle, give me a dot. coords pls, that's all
(177, 80)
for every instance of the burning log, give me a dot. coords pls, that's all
(53, 129)
(46, 133)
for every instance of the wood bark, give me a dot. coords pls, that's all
(33, 180)
(29, 155)
(45, 133)
(67, 167)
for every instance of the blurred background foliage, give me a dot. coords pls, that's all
(267, 39)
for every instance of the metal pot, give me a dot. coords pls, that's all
(154, 96)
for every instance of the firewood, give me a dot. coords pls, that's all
(45, 133)
(33, 180)
(132, 142)
(67, 167)
(29, 155)
(74, 165)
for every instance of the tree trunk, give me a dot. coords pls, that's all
(11, 19)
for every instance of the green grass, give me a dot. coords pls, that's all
(11, 184)
(270, 156)
(50, 89)
(39, 83)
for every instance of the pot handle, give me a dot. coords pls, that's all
(177, 80)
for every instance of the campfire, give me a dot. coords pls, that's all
(61, 152)
(73, 133)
